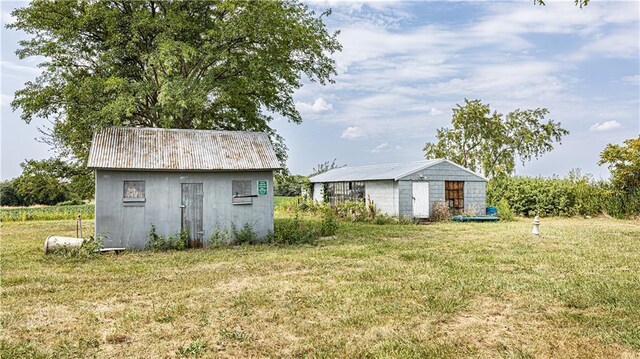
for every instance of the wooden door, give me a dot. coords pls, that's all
(421, 199)
(192, 200)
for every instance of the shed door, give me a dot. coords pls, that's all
(192, 197)
(421, 199)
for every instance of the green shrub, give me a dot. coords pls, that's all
(356, 211)
(157, 242)
(232, 236)
(329, 224)
(573, 195)
(504, 211)
(220, 237)
(295, 231)
(245, 235)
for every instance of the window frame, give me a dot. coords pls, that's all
(339, 192)
(454, 195)
(134, 200)
(247, 197)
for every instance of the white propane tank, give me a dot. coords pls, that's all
(54, 242)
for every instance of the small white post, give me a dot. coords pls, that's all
(536, 226)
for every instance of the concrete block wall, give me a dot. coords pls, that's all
(384, 196)
(436, 194)
(475, 197)
(405, 199)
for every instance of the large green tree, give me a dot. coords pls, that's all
(207, 64)
(490, 143)
(624, 163)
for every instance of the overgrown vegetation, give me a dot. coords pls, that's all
(353, 211)
(176, 241)
(574, 195)
(90, 247)
(441, 212)
(87, 211)
(287, 231)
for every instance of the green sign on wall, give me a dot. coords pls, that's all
(262, 188)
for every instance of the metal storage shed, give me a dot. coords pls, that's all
(180, 180)
(409, 189)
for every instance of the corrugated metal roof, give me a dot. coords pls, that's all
(174, 149)
(388, 171)
(385, 171)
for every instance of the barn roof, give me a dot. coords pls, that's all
(388, 171)
(187, 150)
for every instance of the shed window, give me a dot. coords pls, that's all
(133, 191)
(454, 194)
(338, 192)
(241, 192)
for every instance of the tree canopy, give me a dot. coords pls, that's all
(624, 163)
(490, 142)
(214, 64)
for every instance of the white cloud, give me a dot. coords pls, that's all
(435, 112)
(385, 146)
(381, 147)
(622, 44)
(605, 126)
(319, 105)
(352, 133)
(10, 67)
(634, 80)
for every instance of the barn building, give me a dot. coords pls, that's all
(409, 190)
(180, 180)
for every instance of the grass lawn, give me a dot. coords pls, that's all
(443, 290)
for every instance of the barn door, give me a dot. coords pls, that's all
(192, 197)
(421, 199)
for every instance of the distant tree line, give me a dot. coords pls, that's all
(49, 182)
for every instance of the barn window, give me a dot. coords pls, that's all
(454, 194)
(241, 192)
(133, 191)
(338, 192)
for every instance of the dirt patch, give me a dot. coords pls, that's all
(490, 322)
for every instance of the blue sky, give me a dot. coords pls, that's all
(405, 65)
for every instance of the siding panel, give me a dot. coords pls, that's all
(128, 226)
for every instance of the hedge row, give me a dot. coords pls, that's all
(574, 195)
